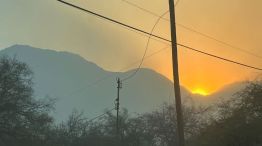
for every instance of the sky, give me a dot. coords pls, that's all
(51, 25)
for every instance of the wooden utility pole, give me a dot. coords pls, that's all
(180, 123)
(119, 86)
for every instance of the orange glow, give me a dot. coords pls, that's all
(199, 74)
(200, 92)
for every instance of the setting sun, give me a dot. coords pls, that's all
(200, 92)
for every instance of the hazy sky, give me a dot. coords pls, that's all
(51, 25)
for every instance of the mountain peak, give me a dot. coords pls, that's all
(78, 83)
(28, 53)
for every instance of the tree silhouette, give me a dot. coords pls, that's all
(239, 121)
(23, 118)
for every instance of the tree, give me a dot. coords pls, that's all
(239, 121)
(23, 118)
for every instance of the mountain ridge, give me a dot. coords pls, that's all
(83, 85)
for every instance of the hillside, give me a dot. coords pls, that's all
(79, 84)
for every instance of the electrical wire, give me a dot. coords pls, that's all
(101, 115)
(147, 45)
(159, 37)
(101, 79)
(177, 2)
(221, 42)
(112, 20)
(150, 35)
(218, 57)
(193, 30)
(152, 54)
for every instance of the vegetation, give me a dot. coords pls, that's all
(238, 121)
(25, 121)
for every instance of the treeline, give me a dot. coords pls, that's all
(25, 121)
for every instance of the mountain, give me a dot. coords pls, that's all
(80, 84)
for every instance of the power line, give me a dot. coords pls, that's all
(152, 54)
(143, 9)
(193, 30)
(177, 2)
(122, 69)
(159, 37)
(148, 11)
(202, 52)
(112, 20)
(101, 79)
(147, 45)
(150, 34)
(88, 85)
(101, 115)
(218, 57)
(106, 77)
(221, 42)
(145, 35)
(96, 117)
